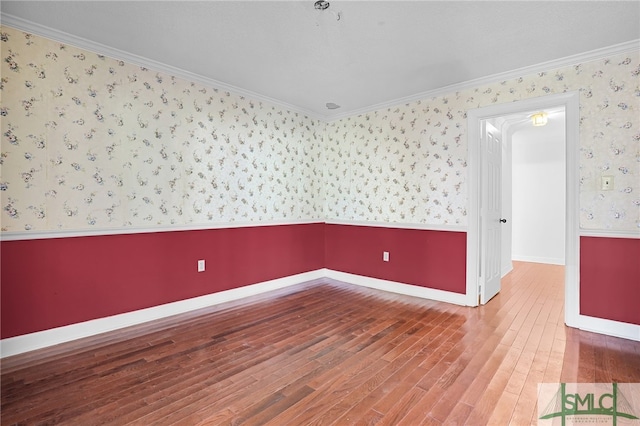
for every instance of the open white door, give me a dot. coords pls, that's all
(571, 102)
(490, 211)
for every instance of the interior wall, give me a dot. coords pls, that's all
(90, 142)
(93, 144)
(424, 258)
(538, 192)
(609, 277)
(408, 163)
(54, 282)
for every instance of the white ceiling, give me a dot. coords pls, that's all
(357, 54)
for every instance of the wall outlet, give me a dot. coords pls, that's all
(200, 265)
(385, 256)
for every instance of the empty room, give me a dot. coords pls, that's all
(320, 212)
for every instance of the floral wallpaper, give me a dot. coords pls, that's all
(89, 141)
(92, 142)
(408, 163)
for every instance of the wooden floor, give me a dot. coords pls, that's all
(327, 353)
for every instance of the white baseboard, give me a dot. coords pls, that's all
(538, 259)
(609, 327)
(400, 288)
(41, 339)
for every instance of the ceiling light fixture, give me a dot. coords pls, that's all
(331, 105)
(321, 5)
(539, 119)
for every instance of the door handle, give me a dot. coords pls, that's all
(503, 220)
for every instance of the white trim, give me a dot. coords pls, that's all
(63, 37)
(538, 259)
(419, 226)
(102, 49)
(506, 269)
(593, 55)
(609, 327)
(41, 339)
(608, 233)
(29, 342)
(39, 235)
(473, 233)
(571, 102)
(572, 211)
(396, 287)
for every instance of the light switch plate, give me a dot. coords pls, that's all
(606, 183)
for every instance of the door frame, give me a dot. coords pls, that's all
(571, 103)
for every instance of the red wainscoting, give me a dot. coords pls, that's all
(433, 259)
(610, 278)
(55, 282)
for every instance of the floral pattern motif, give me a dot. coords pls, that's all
(90, 141)
(408, 163)
(93, 142)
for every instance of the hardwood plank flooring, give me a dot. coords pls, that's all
(323, 353)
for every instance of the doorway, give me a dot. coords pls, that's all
(533, 188)
(477, 251)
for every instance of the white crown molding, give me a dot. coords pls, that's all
(102, 49)
(60, 36)
(41, 235)
(418, 226)
(630, 46)
(608, 233)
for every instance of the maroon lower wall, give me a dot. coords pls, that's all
(60, 281)
(434, 259)
(610, 278)
(55, 282)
